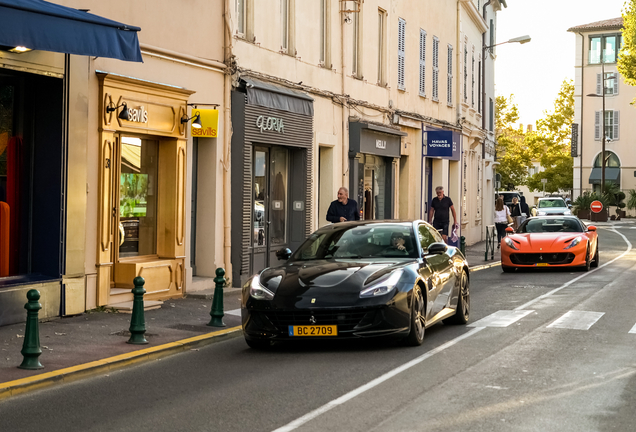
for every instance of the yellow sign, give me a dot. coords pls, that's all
(209, 123)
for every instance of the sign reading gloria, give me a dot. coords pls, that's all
(270, 124)
(439, 143)
(209, 123)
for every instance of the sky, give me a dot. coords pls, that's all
(534, 71)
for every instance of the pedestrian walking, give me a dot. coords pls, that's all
(343, 209)
(439, 210)
(520, 211)
(502, 215)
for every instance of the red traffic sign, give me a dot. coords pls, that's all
(596, 206)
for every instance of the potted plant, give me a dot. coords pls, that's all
(631, 202)
(581, 205)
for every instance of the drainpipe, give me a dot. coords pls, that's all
(227, 139)
(345, 134)
(483, 116)
(581, 119)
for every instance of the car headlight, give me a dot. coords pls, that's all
(384, 287)
(542, 212)
(567, 212)
(574, 242)
(258, 291)
(510, 243)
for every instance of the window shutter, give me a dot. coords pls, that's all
(615, 75)
(599, 84)
(465, 73)
(435, 68)
(597, 125)
(422, 63)
(449, 79)
(616, 127)
(401, 52)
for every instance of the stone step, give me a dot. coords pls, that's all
(127, 307)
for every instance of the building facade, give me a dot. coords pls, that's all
(598, 82)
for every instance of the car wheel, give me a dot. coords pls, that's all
(507, 269)
(260, 344)
(418, 318)
(596, 260)
(462, 312)
(588, 261)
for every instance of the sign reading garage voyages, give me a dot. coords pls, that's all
(439, 143)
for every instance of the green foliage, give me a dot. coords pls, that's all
(549, 144)
(584, 201)
(627, 54)
(614, 196)
(631, 202)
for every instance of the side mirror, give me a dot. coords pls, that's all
(509, 230)
(283, 254)
(437, 248)
(591, 228)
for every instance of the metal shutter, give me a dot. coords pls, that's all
(449, 79)
(401, 52)
(422, 63)
(435, 68)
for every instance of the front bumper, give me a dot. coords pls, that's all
(543, 259)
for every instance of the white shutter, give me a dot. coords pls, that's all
(616, 127)
(597, 125)
(422, 63)
(449, 79)
(401, 52)
(599, 84)
(615, 83)
(435, 68)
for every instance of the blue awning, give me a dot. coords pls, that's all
(612, 174)
(45, 26)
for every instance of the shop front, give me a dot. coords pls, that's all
(374, 154)
(142, 189)
(272, 159)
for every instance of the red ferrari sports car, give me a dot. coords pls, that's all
(550, 241)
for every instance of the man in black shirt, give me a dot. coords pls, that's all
(343, 209)
(439, 207)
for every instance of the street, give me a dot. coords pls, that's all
(543, 351)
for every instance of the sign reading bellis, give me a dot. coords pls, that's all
(439, 143)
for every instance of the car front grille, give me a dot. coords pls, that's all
(345, 319)
(536, 258)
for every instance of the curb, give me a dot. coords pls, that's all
(485, 266)
(74, 373)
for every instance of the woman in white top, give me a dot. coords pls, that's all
(501, 219)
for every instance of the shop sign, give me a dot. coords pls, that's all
(209, 123)
(270, 124)
(381, 144)
(439, 143)
(138, 115)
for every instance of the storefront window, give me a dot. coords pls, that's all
(138, 197)
(260, 187)
(279, 195)
(372, 187)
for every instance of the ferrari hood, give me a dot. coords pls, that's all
(544, 241)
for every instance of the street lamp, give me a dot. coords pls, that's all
(603, 139)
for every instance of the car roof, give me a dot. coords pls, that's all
(403, 223)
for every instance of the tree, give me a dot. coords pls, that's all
(552, 143)
(513, 156)
(627, 56)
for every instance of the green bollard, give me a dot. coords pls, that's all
(462, 245)
(31, 347)
(137, 320)
(217, 303)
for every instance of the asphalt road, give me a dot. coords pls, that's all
(543, 351)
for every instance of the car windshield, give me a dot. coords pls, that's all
(362, 241)
(550, 225)
(552, 203)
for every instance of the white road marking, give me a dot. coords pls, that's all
(633, 330)
(502, 318)
(368, 386)
(352, 394)
(577, 320)
(235, 312)
(576, 279)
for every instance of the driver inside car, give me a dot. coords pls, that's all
(396, 246)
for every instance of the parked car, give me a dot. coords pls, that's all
(508, 196)
(552, 206)
(358, 280)
(550, 241)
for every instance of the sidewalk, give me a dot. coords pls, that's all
(95, 342)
